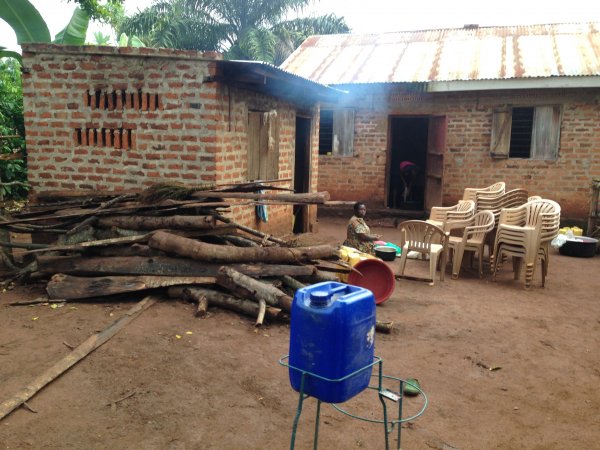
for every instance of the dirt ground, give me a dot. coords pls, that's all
(503, 368)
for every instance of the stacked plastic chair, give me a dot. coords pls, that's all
(490, 191)
(524, 233)
(443, 217)
(473, 239)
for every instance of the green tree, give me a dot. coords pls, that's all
(242, 29)
(12, 130)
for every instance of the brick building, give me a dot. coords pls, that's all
(470, 106)
(115, 119)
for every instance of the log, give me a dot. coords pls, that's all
(159, 265)
(202, 251)
(126, 250)
(69, 287)
(158, 222)
(226, 301)
(80, 352)
(305, 198)
(233, 280)
(292, 283)
(384, 327)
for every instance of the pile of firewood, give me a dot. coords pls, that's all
(171, 238)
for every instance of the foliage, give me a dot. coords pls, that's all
(11, 124)
(104, 11)
(241, 29)
(29, 26)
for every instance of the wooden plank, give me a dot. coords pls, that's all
(80, 352)
(501, 129)
(69, 287)
(158, 265)
(254, 126)
(546, 132)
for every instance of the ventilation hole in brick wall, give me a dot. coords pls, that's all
(119, 100)
(122, 138)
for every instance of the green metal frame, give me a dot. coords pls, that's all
(383, 393)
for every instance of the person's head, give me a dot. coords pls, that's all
(360, 209)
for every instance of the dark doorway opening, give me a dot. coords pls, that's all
(302, 172)
(408, 143)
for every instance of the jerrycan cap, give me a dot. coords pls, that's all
(319, 298)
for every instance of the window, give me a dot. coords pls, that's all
(336, 132)
(263, 145)
(526, 132)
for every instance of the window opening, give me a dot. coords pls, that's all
(522, 130)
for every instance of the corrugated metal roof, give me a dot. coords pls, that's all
(461, 54)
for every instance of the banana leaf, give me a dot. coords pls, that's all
(75, 31)
(25, 20)
(9, 54)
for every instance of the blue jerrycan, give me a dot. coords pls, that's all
(332, 335)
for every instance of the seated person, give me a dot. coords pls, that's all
(358, 233)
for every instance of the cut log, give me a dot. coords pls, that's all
(84, 349)
(220, 253)
(384, 327)
(69, 287)
(160, 265)
(225, 301)
(158, 222)
(233, 280)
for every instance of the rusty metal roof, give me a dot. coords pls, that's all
(462, 54)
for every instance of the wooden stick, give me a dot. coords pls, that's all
(262, 309)
(100, 243)
(84, 349)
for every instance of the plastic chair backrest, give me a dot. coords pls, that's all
(490, 191)
(420, 235)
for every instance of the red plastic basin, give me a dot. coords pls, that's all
(374, 275)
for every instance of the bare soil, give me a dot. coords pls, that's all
(503, 368)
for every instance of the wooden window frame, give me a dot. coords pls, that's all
(339, 136)
(545, 133)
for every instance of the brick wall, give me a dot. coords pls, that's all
(107, 118)
(467, 160)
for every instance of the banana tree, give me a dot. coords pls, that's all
(29, 26)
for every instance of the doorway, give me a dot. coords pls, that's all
(408, 143)
(302, 172)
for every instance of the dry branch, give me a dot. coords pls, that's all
(234, 281)
(225, 301)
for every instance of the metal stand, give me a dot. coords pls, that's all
(383, 393)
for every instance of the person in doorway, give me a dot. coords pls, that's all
(409, 172)
(358, 233)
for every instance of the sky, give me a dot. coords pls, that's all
(375, 16)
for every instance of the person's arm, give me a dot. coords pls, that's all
(364, 233)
